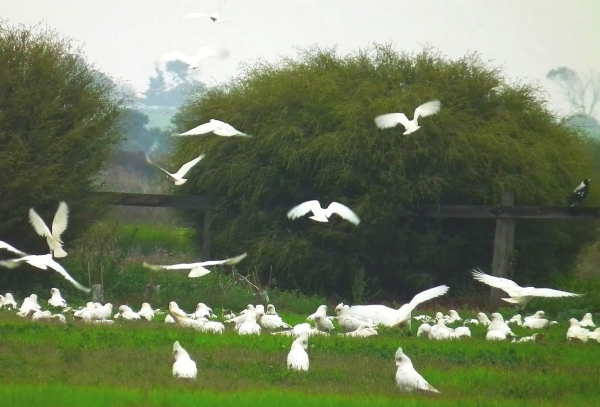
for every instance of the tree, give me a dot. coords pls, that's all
(59, 121)
(314, 138)
(582, 91)
(170, 85)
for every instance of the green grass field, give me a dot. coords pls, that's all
(129, 364)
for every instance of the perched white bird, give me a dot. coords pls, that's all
(197, 269)
(587, 321)
(178, 176)
(495, 335)
(193, 61)
(249, 308)
(518, 295)
(103, 312)
(146, 312)
(453, 316)
(407, 378)
(202, 311)
(483, 319)
(6, 246)
(271, 309)
(322, 323)
(424, 330)
(387, 316)
(536, 323)
(323, 215)
(462, 331)
(249, 326)
(56, 300)
(214, 126)
(9, 301)
(537, 315)
(516, 319)
(498, 324)
(29, 305)
(215, 17)
(576, 332)
(349, 323)
(127, 313)
(59, 225)
(322, 310)
(441, 332)
(297, 359)
(43, 262)
(392, 119)
(184, 367)
(296, 331)
(271, 321)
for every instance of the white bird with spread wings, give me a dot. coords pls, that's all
(322, 215)
(518, 295)
(59, 225)
(193, 61)
(178, 176)
(392, 119)
(197, 269)
(43, 262)
(214, 126)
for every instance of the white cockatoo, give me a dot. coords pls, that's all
(498, 324)
(587, 321)
(576, 332)
(127, 313)
(520, 296)
(388, 120)
(441, 332)
(347, 322)
(407, 378)
(323, 324)
(271, 322)
(483, 319)
(30, 304)
(516, 319)
(43, 262)
(321, 214)
(146, 312)
(56, 300)
(321, 310)
(271, 309)
(197, 269)
(249, 326)
(297, 359)
(59, 225)
(216, 127)
(390, 317)
(178, 176)
(9, 301)
(364, 330)
(202, 311)
(184, 367)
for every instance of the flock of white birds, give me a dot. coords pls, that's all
(353, 321)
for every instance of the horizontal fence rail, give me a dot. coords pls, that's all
(158, 200)
(508, 211)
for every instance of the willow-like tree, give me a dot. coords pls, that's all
(58, 124)
(312, 118)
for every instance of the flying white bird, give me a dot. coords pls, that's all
(518, 295)
(6, 246)
(322, 215)
(396, 317)
(43, 262)
(178, 176)
(392, 119)
(184, 367)
(214, 126)
(193, 61)
(407, 378)
(197, 269)
(215, 17)
(56, 300)
(59, 225)
(297, 359)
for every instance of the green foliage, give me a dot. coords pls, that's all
(58, 125)
(232, 368)
(314, 138)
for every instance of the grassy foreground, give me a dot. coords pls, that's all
(129, 364)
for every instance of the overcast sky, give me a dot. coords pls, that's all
(126, 37)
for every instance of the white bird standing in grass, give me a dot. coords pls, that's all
(323, 324)
(364, 330)
(59, 225)
(197, 269)
(271, 321)
(56, 300)
(347, 322)
(249, 326)
(146, 312)
(127, 313)
(178, 176)
(577, 332)
(483, 319)
(193, 61)
(392, 119)
(407, 378)
(297, 359)
(29, 304)
(9, 301)
(519, 296)
(43, 262)
(323, 215)
(214, 126)
(498, 324)
(184, 367)
(587, 321)
(387, 316)
(321, 310)
(516, 319)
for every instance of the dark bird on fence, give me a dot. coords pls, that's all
(579, 193)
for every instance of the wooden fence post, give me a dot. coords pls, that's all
(206, 236)
(503, 246)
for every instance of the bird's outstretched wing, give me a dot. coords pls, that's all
(199, 130)
(498, 282)
(38, 224)
(187, 166)
(57, 267)
(428, 295)
(303, 209)
(344, 212)
(427, 109)
(61, 218)
(228, 262)
(6, 246)
(149, 161)
(10, 264)
(549, 292)
(386, 121)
